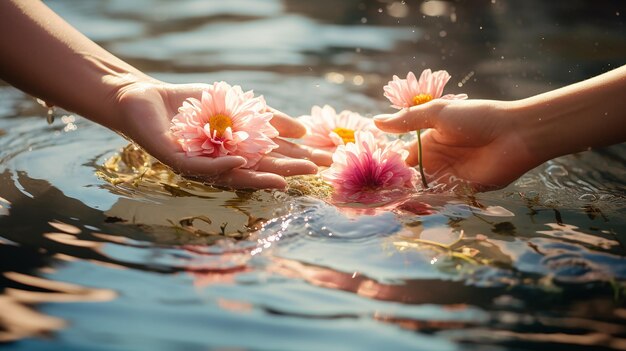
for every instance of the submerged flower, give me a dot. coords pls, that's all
(362, 169)
(412, 92)
(328, 129)
(226, 121)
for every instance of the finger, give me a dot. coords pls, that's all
(319, 157)
(413, 158)
(286, 166)
(406, 120)
(205, 166)
(287, 127)
(432, 160)
(164, 148)
(249, 179)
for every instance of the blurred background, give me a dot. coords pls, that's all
(343, 52)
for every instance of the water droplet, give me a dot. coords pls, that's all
(50, 116)
(70, 127)
(68, 119)
(363, 20)
(587, 197)
(443, 33)
(556, 170)
(380, 10)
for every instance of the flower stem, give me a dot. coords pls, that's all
(419, 158)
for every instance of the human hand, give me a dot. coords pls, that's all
(480, 142)
(146, 109)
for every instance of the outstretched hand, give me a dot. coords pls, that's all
(147, 108)
(473, 141)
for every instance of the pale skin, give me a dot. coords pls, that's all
(48, 58)
(489, 144)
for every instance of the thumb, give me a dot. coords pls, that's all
(406, 120)
(287, 127)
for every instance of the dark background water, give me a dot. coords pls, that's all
(86, 265)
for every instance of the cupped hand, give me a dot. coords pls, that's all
(145, 112)
(479, 142)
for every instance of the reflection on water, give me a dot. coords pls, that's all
(21, 321)
(101, 250)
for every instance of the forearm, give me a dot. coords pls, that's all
(588, 114)
(45, 56)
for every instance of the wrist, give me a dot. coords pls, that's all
(537, 124)
(121, 86)
(574, 118)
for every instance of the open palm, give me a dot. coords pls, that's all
(147, 109)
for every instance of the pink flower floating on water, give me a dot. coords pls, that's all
(412, 92)
(226, 121)
(362, 171)
(328, 129)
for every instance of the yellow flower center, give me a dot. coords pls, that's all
(346, 134)
(421, 99)
(219, 123)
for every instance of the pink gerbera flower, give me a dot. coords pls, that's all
(412, 92)
(362, 170)
(327, 129)
(404, 93)
(226, 121)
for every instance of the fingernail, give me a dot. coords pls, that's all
(241, 161)
(382, 118)
(320, 153)
(322, 158)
